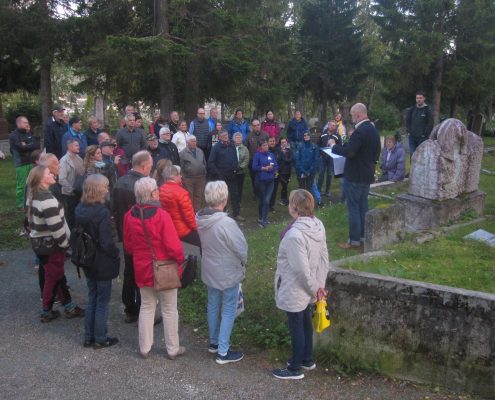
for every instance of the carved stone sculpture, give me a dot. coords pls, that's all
(448, 164)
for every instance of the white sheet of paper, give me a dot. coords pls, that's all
(338, 161)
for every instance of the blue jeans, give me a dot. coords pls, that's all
(95, 320)
(265, 190)
(325, 166)
(220, 330)
(414, 142)
(356, 195)
(301, 333)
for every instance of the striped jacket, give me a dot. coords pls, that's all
(47, 218)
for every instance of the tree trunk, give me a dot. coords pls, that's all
(437, 88)
(167, 89)
(45, 91)
(323, 111)
(192, 87)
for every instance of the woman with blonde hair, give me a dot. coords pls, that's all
(149, 232)
(302, 267)
(49, 235)
(95, 218)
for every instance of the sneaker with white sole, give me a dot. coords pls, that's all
(213, 348)
(230, 357)
(286, 373)
(308, 366)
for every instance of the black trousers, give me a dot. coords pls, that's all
(235, 203)
(131, 296)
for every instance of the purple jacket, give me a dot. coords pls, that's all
(395, 168)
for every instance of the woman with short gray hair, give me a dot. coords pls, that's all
(223, 266)
(145, 225)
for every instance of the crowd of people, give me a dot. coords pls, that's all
(173, 185)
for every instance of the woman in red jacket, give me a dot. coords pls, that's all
(166, 246)
(177, 202)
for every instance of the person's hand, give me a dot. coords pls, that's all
(116, 160)
(321, 293)
(331, 141)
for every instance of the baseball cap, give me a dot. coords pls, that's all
(151, 136)
(58, 107)
(107, 143)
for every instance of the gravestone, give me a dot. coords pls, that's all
(444, 177)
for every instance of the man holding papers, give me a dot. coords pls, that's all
(362, 152)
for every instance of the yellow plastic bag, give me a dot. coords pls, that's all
(320, 319)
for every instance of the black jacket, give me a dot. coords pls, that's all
(124, 198)
(92, 137)
(53, 133)
(324, 138)
(169, 151)
(106, 265)
(222, 163)
(419, 121)
(362, 152)
(284, 160)
(22, 152)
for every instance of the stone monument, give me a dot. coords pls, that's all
(444, 178)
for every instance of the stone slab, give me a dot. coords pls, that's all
(421, 213)
(413, 330)
(384, 226)
(483, 236)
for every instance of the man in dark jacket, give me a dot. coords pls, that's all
(362, 152)
(419, 122)
(295, 130)
(54, 131)
(123, 200)
(129, 138)
(166, 148)
(93, 131)
(22, 144)
(222, 165)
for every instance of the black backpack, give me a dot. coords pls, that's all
(83, 243)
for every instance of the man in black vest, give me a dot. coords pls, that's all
(200, 127)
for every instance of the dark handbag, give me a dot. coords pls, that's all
(189, 269)
(165, 272)
(44, 245)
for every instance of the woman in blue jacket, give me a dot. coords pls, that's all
(265, 166)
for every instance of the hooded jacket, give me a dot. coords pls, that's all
(307, 156)
(224, 258)
(302, 264)
(106, 265)
(177, 202)
(296, 129)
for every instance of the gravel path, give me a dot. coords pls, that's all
(47, 361)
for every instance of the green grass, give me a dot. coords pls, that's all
(449, 260)
(11, 220)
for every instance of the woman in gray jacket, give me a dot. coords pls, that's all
(302, 267)
(223, 266)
